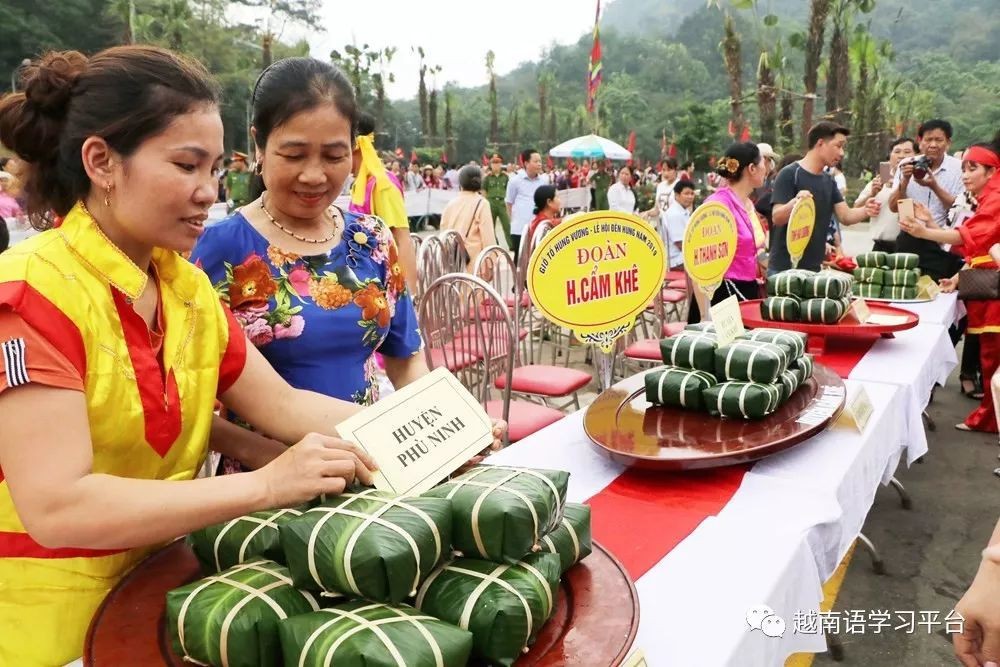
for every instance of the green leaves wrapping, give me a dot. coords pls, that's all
(752, 361)
(827, 285)
(503, 606)
(872, 260)
(780, 309)
(746, 400)
(373, 635)
(368, 544)
(804, 367)
(232, 618)
(678, 387)
(868, 291)
(786, 283)
(252, 536)
(824, 311)
(902, 260)
(794, 341)
(902, 277)
(702, 327)
(690, 349)
(868, 276)
(501, 513)
(899, 293)
(571, 540)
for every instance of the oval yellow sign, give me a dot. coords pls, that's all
(709, 244)
(800, 228)
(595, 273)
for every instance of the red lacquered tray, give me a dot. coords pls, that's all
(635, 433)
(847, 327)
(594, 622)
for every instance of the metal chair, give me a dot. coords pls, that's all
(461, 313)
(430, 264)
(454, 256)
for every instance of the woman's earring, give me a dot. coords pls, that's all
(107, 195)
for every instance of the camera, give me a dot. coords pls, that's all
(921, 166)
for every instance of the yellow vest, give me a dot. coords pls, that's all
(75, 287)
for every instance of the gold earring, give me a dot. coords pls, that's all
(107, 195)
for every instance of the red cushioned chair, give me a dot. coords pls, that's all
(444, 317)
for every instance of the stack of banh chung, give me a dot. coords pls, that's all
(469, 569)
(883, 275)
(748, 379)
(805, 296)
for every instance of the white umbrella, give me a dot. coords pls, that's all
(591, 146)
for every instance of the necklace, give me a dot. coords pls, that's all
(294, 235)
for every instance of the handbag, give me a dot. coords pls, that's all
(979, 284)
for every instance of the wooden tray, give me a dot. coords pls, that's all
(594, 623)
(635, 433)
(847, 327)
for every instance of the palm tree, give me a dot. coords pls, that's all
(818, 12)
(494, 118)
(545, 80)
(449, 138)
(422, 92)
(174, 22)
(382, 75)
(731, 53)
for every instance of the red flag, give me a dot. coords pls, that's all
(413, 157)
(631, 144)
(746, 133)
(549, 163)
(486, 162)
(520, 160)
(672, 151)
(594, 68)
(444, 157)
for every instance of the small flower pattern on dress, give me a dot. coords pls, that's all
(268, 305)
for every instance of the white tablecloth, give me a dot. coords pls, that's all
(942, 310)
(784, 531)
(915, 360)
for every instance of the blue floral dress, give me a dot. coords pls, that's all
(317, 319)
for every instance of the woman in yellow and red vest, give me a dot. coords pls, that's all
(113, 348)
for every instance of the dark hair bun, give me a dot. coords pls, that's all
(48, 83)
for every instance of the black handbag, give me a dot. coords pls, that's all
(979, 284)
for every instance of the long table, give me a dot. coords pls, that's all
(781, 534)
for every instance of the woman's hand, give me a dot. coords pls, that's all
(949, 285)
(316, 465)
(499, 437)
(912, 227)
(924, 215)
(877, 185)
(979, 642)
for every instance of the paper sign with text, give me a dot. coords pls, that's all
(728, 320)
(420, 434)
(637, 659)
(709, 245)
(927, 288)
(800, 228)
(859, 308)
(858, 410)
(595, 273)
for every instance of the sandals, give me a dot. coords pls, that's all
(962, 426)
(976, 390)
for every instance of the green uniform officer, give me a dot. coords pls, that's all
(495, 189)
(237, 181)
(601, 180)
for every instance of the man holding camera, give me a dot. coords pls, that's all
(934, 179)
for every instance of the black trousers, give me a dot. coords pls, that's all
(744, 290)
(884, 246)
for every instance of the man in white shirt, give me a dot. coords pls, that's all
(885, 226)
(936, 188)
(520, 197)
(674, 221)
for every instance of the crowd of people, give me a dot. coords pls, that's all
(118, 158)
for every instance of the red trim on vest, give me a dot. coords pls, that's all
(20, 545)
(161, 404)
(235, 356)
(46, 318)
